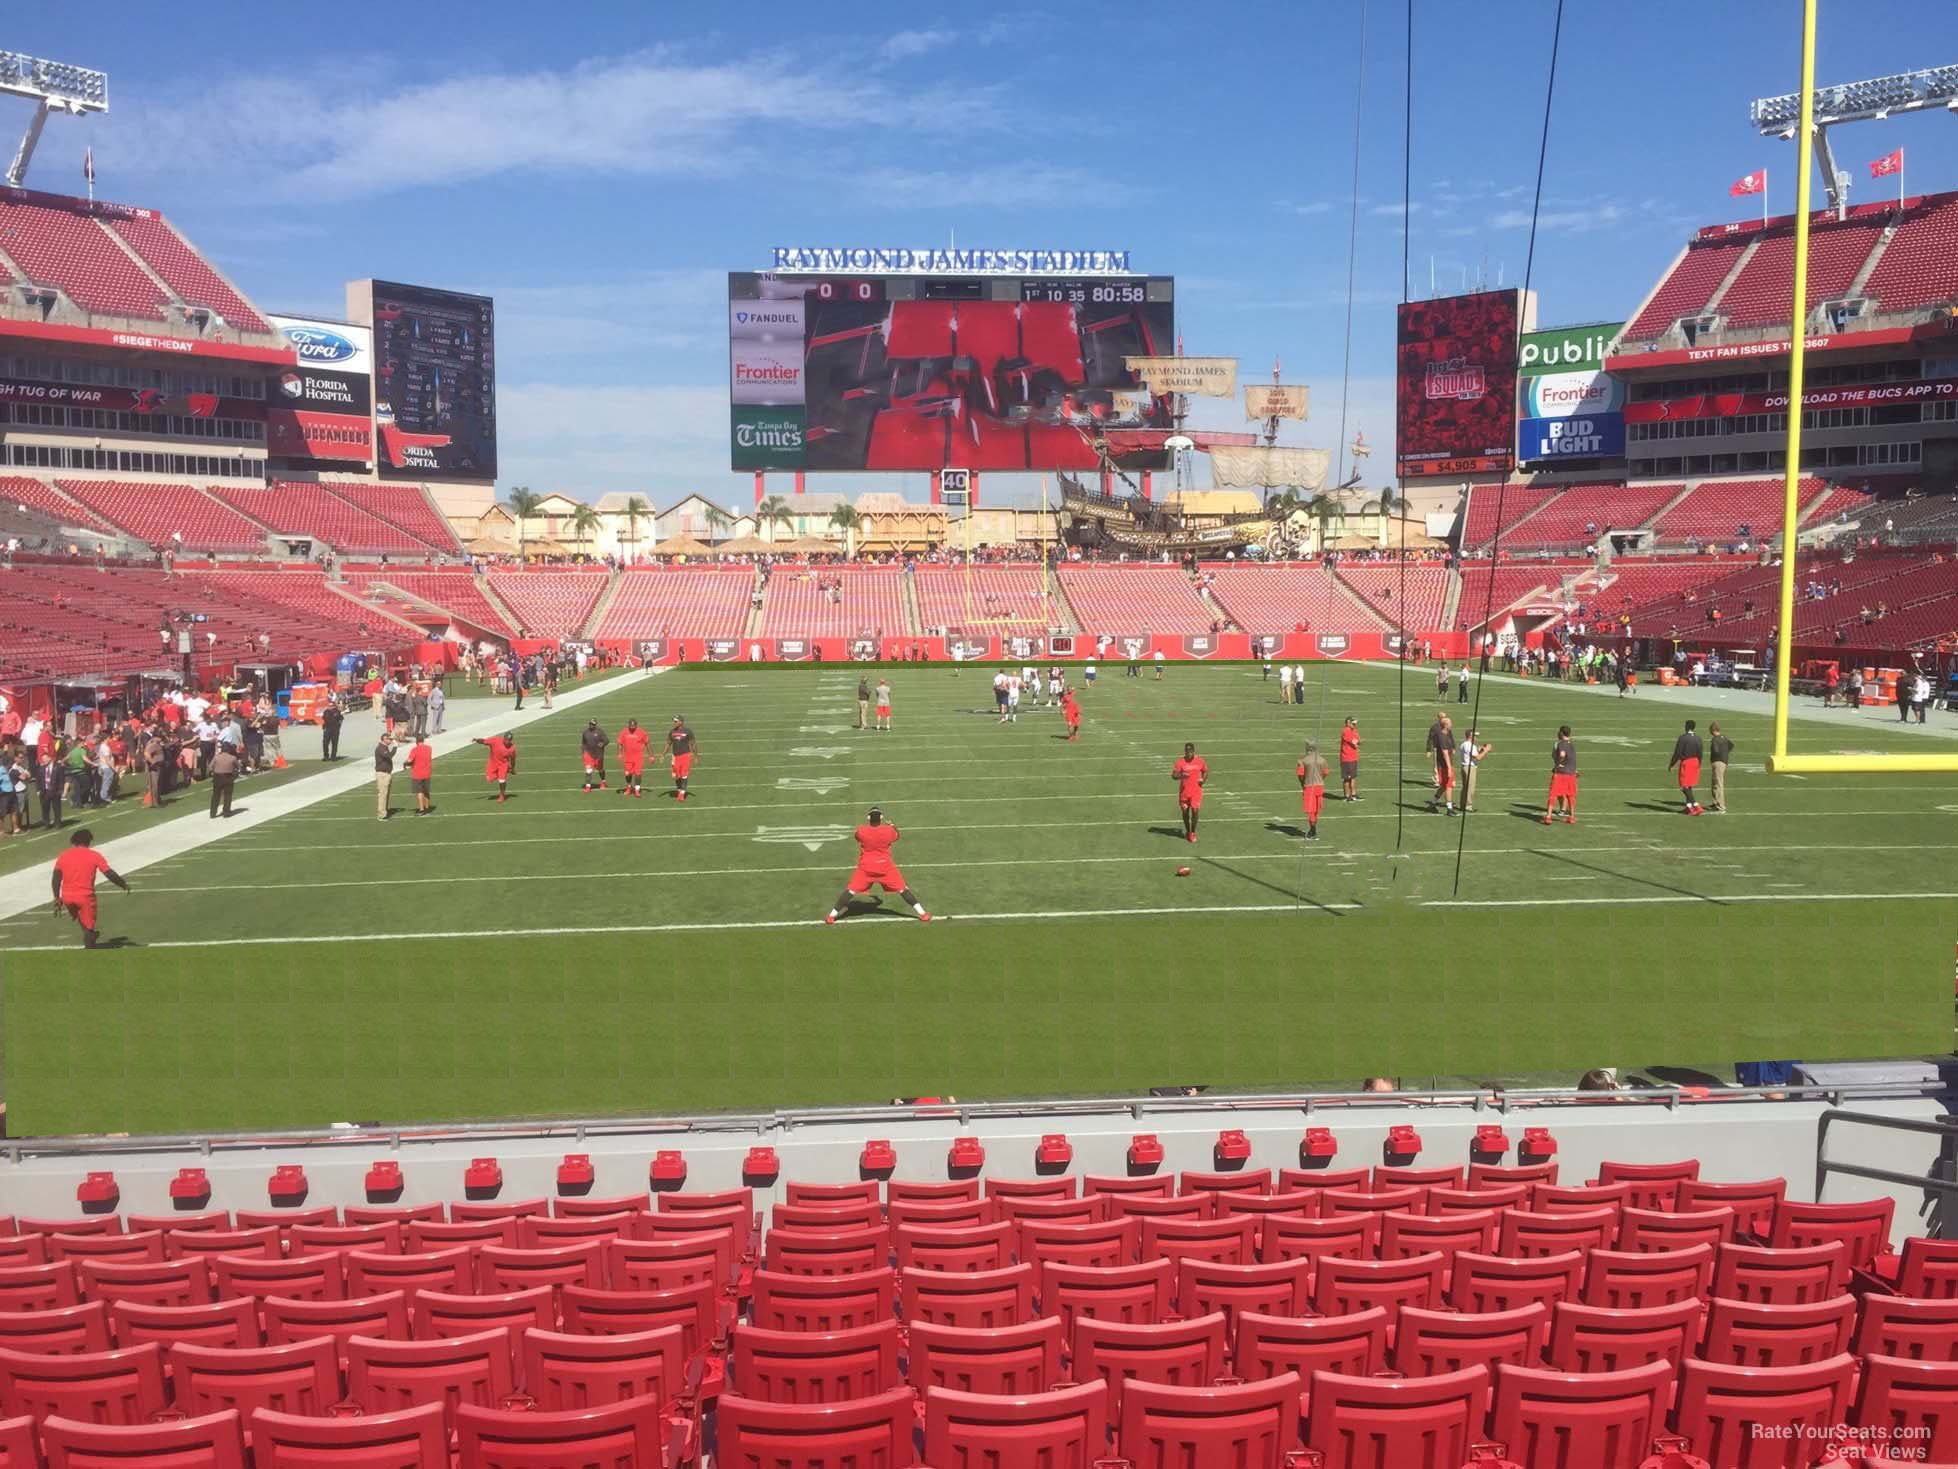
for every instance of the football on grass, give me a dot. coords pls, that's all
(1182, 872)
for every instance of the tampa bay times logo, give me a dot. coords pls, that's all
(767, 436)
(1457, 377)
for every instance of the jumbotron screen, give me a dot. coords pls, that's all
(941, 372)
(434, 378)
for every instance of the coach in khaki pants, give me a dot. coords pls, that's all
(1719, 750)
(383, 775)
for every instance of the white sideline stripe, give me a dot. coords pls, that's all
(1302, 906)
(1289, 854)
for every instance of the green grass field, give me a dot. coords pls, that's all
(567, 953)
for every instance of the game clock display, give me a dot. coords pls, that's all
(1084, 293)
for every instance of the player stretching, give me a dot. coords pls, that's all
(875, 838)
(1312, 772)
(502, 762)
(1190, 773)
(1563, 779)
(74, 883)
(1349, 760)
(680, 745)
(632, 757)
(1686, 753)
(1071, 712)
(592, 743)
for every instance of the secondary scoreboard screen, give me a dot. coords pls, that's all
(434, 378)
(939, 372)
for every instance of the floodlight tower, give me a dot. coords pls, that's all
(53, 86)
(1871, 101)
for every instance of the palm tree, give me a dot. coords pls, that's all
(523, 505)
(717, 519)
(846, 519)
(634, 508)
(583, 521)
(1325, 509)
(774, 511)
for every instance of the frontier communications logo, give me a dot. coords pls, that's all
(1456, 378)
(767, 437)
(765, 372)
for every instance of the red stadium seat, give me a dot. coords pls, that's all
(123, 1386)
(1753, 1203)
(17, 1444)
(1067, 1426)
(1189, 1353)
(912, 1191)
(415, 1436)
(547, 1232)
(695, 1309)
(212, 1441)
(1756, 1417)
(472, 1213)
(868, 1191)
(977, 1247)
(563, 1371)
(1139, 1293)
(1372, 1422)
(431, 1234)
(1653, 1229)
(1744, 1334)
(1288, 1237)
(37, 1287)
(1498, 1282)
(1429, 1343)
(263, 1242)
(232, 1323)
(500, 1268)
(1152, 1186)
(87, 1224)
(1495, 1175)
(1927, 1269)
(1111, 1242)
(1250, 1425)
(1063, 1186)
(1266, 1346)
(867, 1432)
(861, 1214)
(23, 1249)
(1298, 1201)
(384, 1239)
(1011, 1361)
(1550, 1198)
(1566, 1420)
(631, 1432)
(1341, 1286)
(144, 1247)
(1654, 1185)
(1629, 1281)
(452, 1269)
(1253, 1180)
(1781, 1277)
(314, 1277)
(1607, 1339)
(1911, 1405)
(204, 1219)
(971, 1298)
(940, 1213)
(673, 1259)
(1371, 1204)
(1281, 1288)
(1091, 1209)
(1527, 1233)
(1388, 1176)
(1907, 1326)
(386, 1376)
(384, 1314)
(402, 1214)
(823, 1302)
(1229, 1239)
(1418, 1234)
(1148, 1206)
(83, 1328)
(297, 1377)
(826, 1251)
(813, 1366)
(285, 1220)
(585, 1206)
(734, 1208)
(161, 1283)
(436, 1314)
(1475, 1200)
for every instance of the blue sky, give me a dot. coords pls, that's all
(599, 174)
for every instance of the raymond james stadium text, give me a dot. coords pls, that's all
(968, 262)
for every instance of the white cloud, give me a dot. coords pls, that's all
(1562, 221)
(665, 310)
(1394, 211)
(1002, 186)
(595, 439)
(906, 44)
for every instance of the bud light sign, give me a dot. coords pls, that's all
(1601, 436)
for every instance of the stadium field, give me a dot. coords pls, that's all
(575, 954)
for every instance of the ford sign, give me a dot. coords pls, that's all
(320, 346)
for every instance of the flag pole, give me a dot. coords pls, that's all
(1764, 196)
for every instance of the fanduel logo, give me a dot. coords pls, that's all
(1455, 378)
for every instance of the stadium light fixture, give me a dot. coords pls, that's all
(52, 86)
(1875, 100)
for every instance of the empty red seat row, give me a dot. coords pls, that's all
(679, 603)
(969, 599)
(1130, 600)
(798, 602)
(1411, 596)
(1686, 288)
(1583, 513)
(1763, 293)
(168, 516)
(66, 246)
(1916, 268)
(549, 604)
(407, 506)
(185, 271)
(1276, 599)
(296, 508)
(1493, 508)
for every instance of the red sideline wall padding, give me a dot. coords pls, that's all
(1291, 647)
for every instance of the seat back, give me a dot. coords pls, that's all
(1250, 1180)
(372, 1441)
(385, 1376)
(1067, 1426)
(1611, 1339)
(1629, 1281)
(1249, 1424)
(1370, 1204)
(1281, 1288)
(1355, 1345)
(864, 1433)
(1340, 1286)
(1728, 1413)
(673, 1259)
(973, 1298)
(1659, 1229)
(822, 1218)
(689, 1213)
(1429, 1343)
(913, 1191)
(180, 1244)
(548, 1232)
(1654, 1185)
(942, 1213)
(1061, 1186)
(1294, 1201)
(827, 1195)
(1526, 1232)
(626, 1432)
(293, 1377)
(1295, 1237)
(1773, 1277)
(1753, 1203)
(433, 1234)
(1229, 1239)
(382, 1238)
(1138, 1293)
(1913, 1405)
(1496, 1175)
(1090, 1210)
(1011, 1361)
(145, 1245)
(1167, 1206)
(826, 1251)
(213, 1441)
(38, 1287)
(385, 1314)
(1928, 1270)
(1474, 1200)
(1318, 1180)
(968, 1248)
(1746, 1334)
(1111, 1242)
(123, 1386)
(1403, 1234)
(1863, 1226)
(437, 1313)
(1181, 1353)
(1358, 1422)
(823, 1302)
(1481, 1282)
(1924, 1330)
(694, 1309)
(452, 1269)
(576, 1206)
(814, 1366)
(1550, 1198)
(564, 1372)
(502, 1268)
(310, 1277)
(1561, 1420)
(232, 1323)
(18, 1448)
(1154, 1186)
(185, 1282)
(83, 1328)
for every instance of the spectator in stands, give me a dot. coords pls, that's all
(1375, 1084)
(1598, 1079)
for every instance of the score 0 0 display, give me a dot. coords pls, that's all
(935, 372)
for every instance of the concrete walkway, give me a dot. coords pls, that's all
(193, 828)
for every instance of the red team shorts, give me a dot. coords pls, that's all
(1314, 800)
(1445, 777)
(594, 762)
(1191, 796)
(887, 878)
(682, 764)
(496, 771)
(633, 767)
(1689, 773)
(82, 910)
(1563, 787)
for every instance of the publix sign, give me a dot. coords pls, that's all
(1568, 407)
(1566, 349)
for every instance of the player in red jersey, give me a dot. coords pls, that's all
(632, 756)
(1190, 773)
(875, 838)
(1071, 712)
(502, 762)
(1686, 755)
(680, 746)
(1563, 779)
(74, 883)
(591, 744)
(1349, 760)
(1312, 774)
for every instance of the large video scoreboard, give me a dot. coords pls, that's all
(926, 372)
